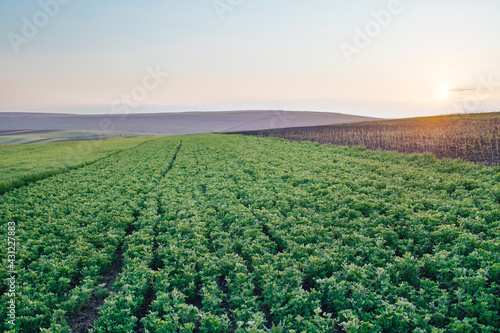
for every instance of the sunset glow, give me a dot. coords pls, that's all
(445, 91)
(375, 58)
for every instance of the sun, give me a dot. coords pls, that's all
(445, 92)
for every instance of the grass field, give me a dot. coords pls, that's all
(218, 233)
(8, 137)
(21, 164)
(471, 137)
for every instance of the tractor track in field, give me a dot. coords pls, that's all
(308, 284)
(264, 308)
(48, 174)
(222, 284)
(84, 320)
(275, 240)
(156, 264)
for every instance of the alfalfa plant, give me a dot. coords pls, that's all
(276, 329)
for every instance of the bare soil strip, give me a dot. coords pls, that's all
(222, 284)
(156, 264)
(84, 320)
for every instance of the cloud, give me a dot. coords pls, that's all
(462, 90)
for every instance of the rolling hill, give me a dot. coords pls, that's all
(174, 123)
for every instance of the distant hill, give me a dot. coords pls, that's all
(18, 136)
(174, 123)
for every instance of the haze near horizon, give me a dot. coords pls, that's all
(375, 58)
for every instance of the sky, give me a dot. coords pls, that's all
(384, 58)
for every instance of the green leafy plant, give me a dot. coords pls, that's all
(280, 328)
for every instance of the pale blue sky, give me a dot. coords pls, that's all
(274, 54)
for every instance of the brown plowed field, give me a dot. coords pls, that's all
(471, 137)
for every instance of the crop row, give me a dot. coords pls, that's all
(320, 239)
(69, 230)
(241, 234)
(368, 241)
(21, 164)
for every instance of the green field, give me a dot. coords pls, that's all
(21, 164)
(217, 233)
(10, 137)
